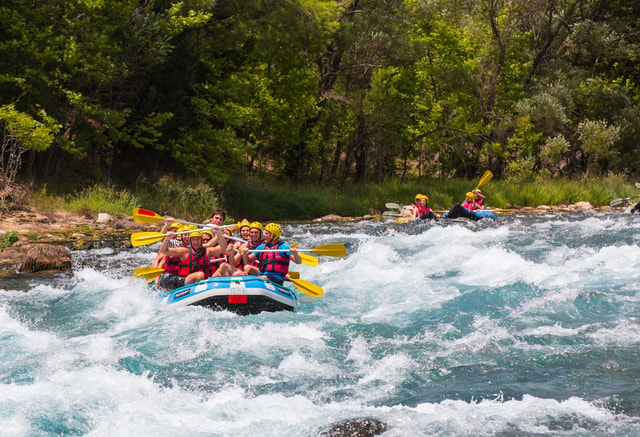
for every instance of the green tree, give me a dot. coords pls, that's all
(19, 133)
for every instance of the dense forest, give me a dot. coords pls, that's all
(318, 90)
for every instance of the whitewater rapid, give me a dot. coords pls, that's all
(523, 325)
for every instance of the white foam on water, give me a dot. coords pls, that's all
(353, 353)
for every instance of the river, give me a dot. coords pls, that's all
(527, 325)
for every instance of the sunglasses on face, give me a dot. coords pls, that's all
(204, 240)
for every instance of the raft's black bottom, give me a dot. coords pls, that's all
(253, 305)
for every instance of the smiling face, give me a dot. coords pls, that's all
(244, 232)
(217, 219)
(255, 235)
(196, 242)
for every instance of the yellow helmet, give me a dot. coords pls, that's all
(206, 231)
(175, 225)
(196, 234)
(420, 196)
(274, 229)
(257, 225)
(478, 190)
(243, 223)
(471, 195)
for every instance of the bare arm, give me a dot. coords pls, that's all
(295, 256)
(182, 252)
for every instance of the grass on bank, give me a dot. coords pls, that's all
(269, 200)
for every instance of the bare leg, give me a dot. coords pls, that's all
(252, 270)
(193, 278)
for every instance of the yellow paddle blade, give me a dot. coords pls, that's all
(308, 259)
(148, 276)
(294, 275)
(141, 271)
(144, 238)
(141, 215)
(308, 288)
(333, 249)
(486, 177)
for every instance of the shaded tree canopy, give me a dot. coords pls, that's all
(319, 90)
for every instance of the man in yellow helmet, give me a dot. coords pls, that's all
(274, 265)
(255, 240)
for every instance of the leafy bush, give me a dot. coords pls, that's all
(8, 239)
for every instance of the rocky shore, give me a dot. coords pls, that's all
(45, 242)
(78, 232)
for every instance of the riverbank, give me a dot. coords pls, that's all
(63, 226)
(81, 232)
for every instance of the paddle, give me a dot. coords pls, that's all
(306, 259)
(308, 288)
(143, 271)
(141, 215)
(486, 177)
(618, 202)
(150, 272)
(331, 249)
(144, 238)
(391, 214)
(392, 205)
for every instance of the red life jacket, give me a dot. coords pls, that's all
(172, 264)
(276, 262)
(422, 210)
(473, 205)
(196, 262)
(251, 246)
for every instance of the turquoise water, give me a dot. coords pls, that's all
(526, 325)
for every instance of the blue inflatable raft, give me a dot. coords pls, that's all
(239, 294)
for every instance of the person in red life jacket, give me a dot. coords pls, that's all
(230, 265)
(421, 208)
(470, 201)
(160, 259)
(244, 228)
(466, 209)
(207, 236)
(481, 201)
(194, 260)
(255, 240)
(273, 265)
